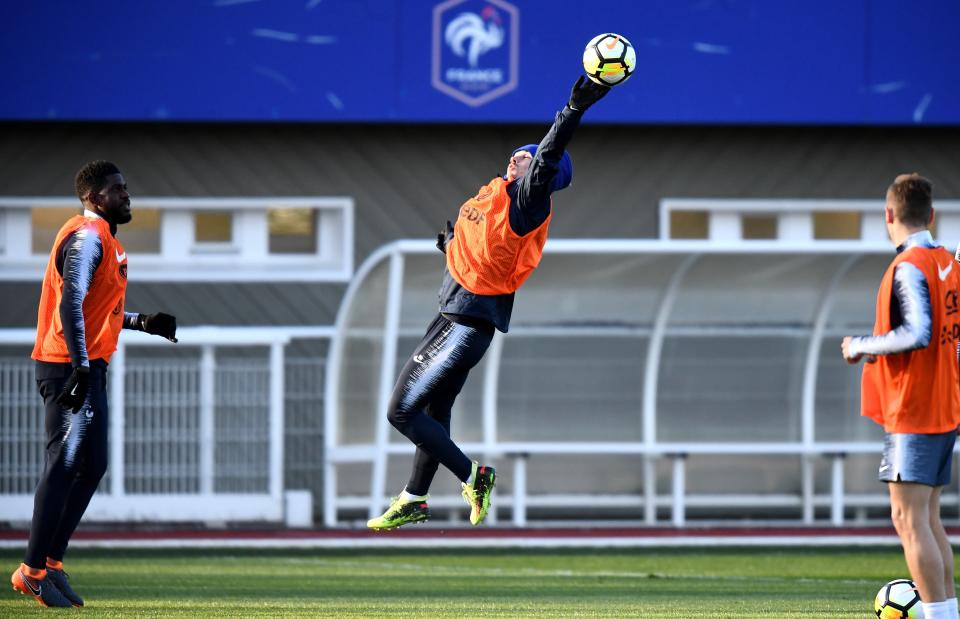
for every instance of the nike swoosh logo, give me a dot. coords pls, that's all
(944, 272)
(419, 359)
(74, 390)
(120, 257)
(613, 43)
(26, 581)
(884, 468)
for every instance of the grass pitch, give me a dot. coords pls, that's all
(682, 583)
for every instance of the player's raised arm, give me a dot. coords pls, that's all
(608, 60)
(546, 167)
(550, 167)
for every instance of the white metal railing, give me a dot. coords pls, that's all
(648, 450)
(246, 256)
(118, 499)
(795, 218)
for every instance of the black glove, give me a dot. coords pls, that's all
(444, 236)
(74, 392)
(160, 324)
(585, 93)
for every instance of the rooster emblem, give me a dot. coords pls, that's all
(470, 35)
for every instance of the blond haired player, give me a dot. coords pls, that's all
(911, 386)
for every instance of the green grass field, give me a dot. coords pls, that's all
(682, 583)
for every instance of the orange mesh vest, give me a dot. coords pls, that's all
(918, 392)
(102, 307)
(486, 256)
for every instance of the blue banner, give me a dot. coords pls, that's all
(868, 62)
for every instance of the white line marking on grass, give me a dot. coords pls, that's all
(391, 567)
(386, 541)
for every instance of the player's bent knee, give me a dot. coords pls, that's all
(399, 417)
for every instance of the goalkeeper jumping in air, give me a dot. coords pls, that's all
(491, 251)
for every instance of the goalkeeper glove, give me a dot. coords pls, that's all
(160, 324)
(585, 93)
(74, 392)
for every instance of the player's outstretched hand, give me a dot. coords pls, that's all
(585, 93)
(74, 392)
(160, 324)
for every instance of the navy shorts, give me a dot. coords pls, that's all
(919, 458)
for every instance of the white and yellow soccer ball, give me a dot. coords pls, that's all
(898, 599)
(609, 59)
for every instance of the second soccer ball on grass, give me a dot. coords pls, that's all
(898, 599)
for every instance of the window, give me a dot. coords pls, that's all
(689, 225)
(213, 227)
(758, 227)
(836, 225)
(292, 230)
(141, 235)
(45, 222)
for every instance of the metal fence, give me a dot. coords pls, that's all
(205, 436)
(21, 428)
